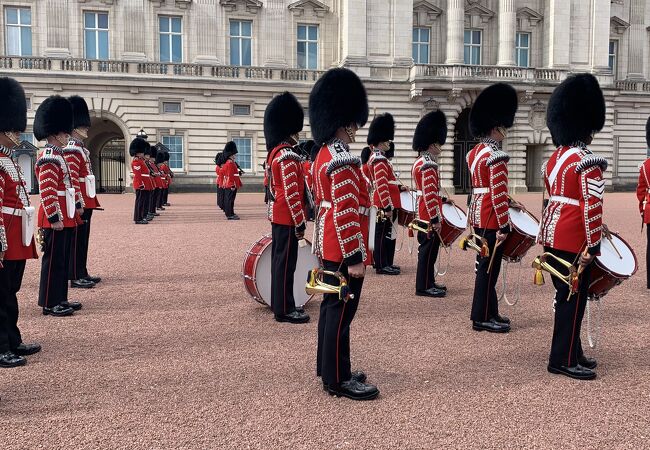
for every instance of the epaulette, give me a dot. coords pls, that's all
(338, 147)
(496, 157)
(591, 161)
(343, 159)
(289, 154)
(48, 157)
(543, 169)
(73, 149)
(378, 157)
(429, 165)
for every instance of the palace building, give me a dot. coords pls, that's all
(197, 73)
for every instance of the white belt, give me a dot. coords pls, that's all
(82, 179)
(60, 193)
(482, 190)
(13, 211)
(325, 204)
(144, 175)
(418, 192)
(567, 200)
(394, 182)
(362, 209)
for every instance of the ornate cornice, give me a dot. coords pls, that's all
(298, 8)
(251, 6)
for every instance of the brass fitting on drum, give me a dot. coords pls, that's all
(381, 216)
(470, 242)
(316, 286)
(540, 264)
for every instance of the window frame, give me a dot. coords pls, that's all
(235, 103)
(97, 30)
(235, 138)
(613, 67)
(308, 41)
(20, 27)
(240, 37)
(420, 43)
(472, 46)
(161, 108)
(519, 48)
(171, 34)
(168, 134)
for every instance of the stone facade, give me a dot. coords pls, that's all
(201, 100)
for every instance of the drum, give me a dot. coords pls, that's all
(609, 269)
(522, 236)
(406, 213)
(454, 222)
(256, 272)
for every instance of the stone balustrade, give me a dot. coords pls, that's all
(459, 73)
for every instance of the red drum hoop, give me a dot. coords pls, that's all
(409, 205)
(608, 270)
(454, 222)
(522, 236)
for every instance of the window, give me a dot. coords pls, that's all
(96, 35)
(175, 146)
(421, 43)
(522, 49)
(473, 40)
(171, 107)
(308, 47)
(19, 31)
(244, 155)
(171, 39)
(29, 137)
(241, 37)
(241, 110)
(613, 56)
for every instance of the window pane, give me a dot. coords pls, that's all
(26, 41)
(246, 52)
(164, 48)
(176, 24)
(468, 37)
(26, 16)
(247, 28)
(424, 35)
(301, 55)
(90, 45)
(13, 41)
(612, 45)
(177, 49)
(103, 45)
(414, 53)
(611, 62)
(424, 54)
(476, 38)
(164, 24)
(476, 57)
(89, 20)
(313, 33)
(416, 35)
(313, 55)
(467, 55)
(103, 21)
(234, 28)
(524, 58)
(302, 32)
(244, 155)
(234, 52)
(12, 16)
(524, 39)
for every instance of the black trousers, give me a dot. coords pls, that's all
(79, 248)
(54, 267)
(159, 198)
(647, 257)
(141, 207)
(11, 277)
(153, 200)
(333, 352)
(284, 256)
(229, 201)
(165, 196)
(427, 255)
(485, 305)
(391, 243)
(221, 192)
(381, 252)
(566, 346)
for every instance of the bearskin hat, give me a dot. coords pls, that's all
(305, 148)
(147, 151)
(647, 132)
(495, 107)
(153, 151)
(576, 109)
(80, 116)
(167, 156)
(13, 114)
(218, 159)
(390, 153)
(432, 129)
(313, 153)
(338, 99)
(53, 116)
(283, 117)
(230, 149)
(382, 129)
(160, 157)
(138, 145)
(365, 155)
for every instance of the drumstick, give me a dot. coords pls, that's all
(608, 235)
(494, 252)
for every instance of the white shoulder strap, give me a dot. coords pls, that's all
(558, 165)
(479, 155)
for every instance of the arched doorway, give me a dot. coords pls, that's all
(108, 153)
(463, 143)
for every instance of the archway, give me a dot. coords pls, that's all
(107, 151)
(463, 143)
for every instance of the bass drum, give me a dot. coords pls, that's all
(609, 269)
(256, 272)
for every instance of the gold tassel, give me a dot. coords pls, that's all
(539, 277)
(485, 251)
(463, 243)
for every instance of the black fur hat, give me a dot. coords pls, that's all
(218, 159)
(365, 155)
(167, 156)
(147, 151)
(495, 107)
(80, 116)
(647, 132)
(304, 148)
(382, 129)
(230, 149)
(432, 129)
(390, 153)
(338, 99)
(160, 157)
(283, 117)
(313, 153)
(153, 151)
(53, 116)
(138, 145)
(13, 114)
(576, 109)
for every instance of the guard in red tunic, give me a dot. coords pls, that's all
(430, 136)
(385, 190)
(218, 162)
(16, 225)
(283, 121)
(231, 180)
(141, 180)
(160, 160)
(492, 114)
(643, 195)
(156, 179)
(572, 221)
(57, 216)
(305, 150)
(170, 179)
(338, 107)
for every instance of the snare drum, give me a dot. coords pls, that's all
(609, 269)
(522, 236)
(406, 213)
(256, 272)
(454, 222)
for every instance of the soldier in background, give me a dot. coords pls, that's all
(141, 180)
(231, 180)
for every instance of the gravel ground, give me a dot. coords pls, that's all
(169, 352)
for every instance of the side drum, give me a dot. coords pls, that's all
(522, 236)
(406, 213)
(454, 222)
(609, 268)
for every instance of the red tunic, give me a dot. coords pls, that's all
(169, 175)
(74, 158)
(342, 197)
(643, 191)
(156, 175)
(13, 199)
(53, 179)
(231, 178)
(287, 187)
(141, 176)
(151, 181)
(427, 181)
(219, 180)
(573, 217)
(488, 169)
(306, 171)
(381, 175)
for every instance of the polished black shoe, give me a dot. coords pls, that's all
(149, 217)
(82, 284)
(162, 208)
(167, 204)
(27, 349)
(76, 306)
(354, 390)
(502, 319)
(492, 326)
(357, 375)
(9, 359)
(141, 222)
(431, 292)
(387, 271)
(577, 372)
(293, 317)
(442, 287)
(394, 267)
(588, 363)
(156, 214)
(58, 311)
(93, 279)
(235, 217)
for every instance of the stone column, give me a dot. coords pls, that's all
(57, 44)
(354, 35)
(276, 33)
(559, 24)
(507, 29)
(600, 44)
(637, 38)
(402, 33)
(455, 31)
(204, 21)
(135, 31)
